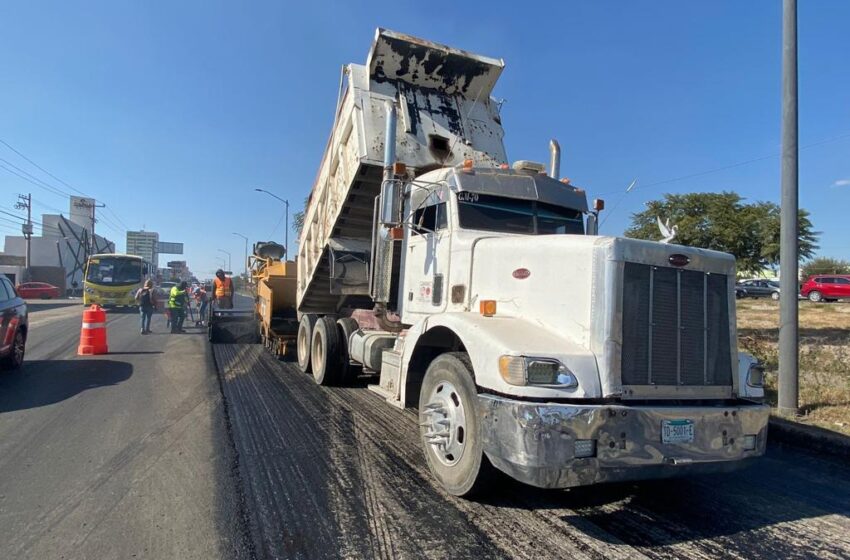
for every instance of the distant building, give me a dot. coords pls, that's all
(62, 243)
(144, 244)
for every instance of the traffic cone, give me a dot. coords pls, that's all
(93, 333)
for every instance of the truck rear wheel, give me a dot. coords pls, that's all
(325, 351)
(449, 427)
(347, 326)
(304, 340)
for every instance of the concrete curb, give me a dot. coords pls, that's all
(810, 438)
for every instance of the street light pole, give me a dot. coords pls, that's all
(229, 261)
(286, 202)
(246, 253)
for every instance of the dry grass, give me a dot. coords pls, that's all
(824, 356)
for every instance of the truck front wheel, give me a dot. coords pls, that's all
(304, 340)
(449, 426)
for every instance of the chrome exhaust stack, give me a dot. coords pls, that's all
(554, 159)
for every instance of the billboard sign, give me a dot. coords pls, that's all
(169, 248)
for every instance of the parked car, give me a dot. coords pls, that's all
(759, 288)
(826, 287)
(30, 290)
(14, 323)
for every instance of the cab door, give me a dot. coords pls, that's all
(426, 260)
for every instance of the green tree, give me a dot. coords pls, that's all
(825, 265)
(723, 222)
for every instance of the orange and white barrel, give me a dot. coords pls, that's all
(93, 333)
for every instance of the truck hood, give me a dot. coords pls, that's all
(572, 285)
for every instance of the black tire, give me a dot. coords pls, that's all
(325, 352)
(15, 359)
(304, 341)
(471, 472)
(815, 296)
(347, 371)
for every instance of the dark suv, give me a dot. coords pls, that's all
(826, 287)
(759, 288)
(13, 326)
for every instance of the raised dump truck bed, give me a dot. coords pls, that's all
(445, 116)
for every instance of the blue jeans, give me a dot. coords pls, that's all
(145, 315)
(203, 311)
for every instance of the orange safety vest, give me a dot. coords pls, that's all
(223, 288)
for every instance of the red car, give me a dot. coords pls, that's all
(29, 290)
(826, 287)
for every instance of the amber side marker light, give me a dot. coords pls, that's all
(487, 307)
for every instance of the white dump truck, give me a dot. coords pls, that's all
(481, 294)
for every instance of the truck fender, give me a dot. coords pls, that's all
(487, 338)
(744, 389)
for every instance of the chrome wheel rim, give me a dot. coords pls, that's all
(303, 344)
(444, 420)
(317, 354)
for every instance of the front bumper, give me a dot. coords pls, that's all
(534, 442)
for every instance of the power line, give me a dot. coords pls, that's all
(43, 169)
(116, 228)
(120, 221)
(34, 180)
(733, 165)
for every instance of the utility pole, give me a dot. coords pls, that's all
(91, 205)
(788, 251)
(25, 202)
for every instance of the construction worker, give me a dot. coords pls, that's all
(178, 299)
(222, 290)
(201, 298)
(146, 299)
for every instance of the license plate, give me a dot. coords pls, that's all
(677, 431)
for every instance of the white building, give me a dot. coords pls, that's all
(144, 244)
(62, 243)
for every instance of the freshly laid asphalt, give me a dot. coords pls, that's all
(166, 448)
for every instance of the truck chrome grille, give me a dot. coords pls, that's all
(675, 327)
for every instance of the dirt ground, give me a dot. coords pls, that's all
(824, 356)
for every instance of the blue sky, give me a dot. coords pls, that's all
(172, 112)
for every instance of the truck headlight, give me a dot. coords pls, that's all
(755, 376)
(523, 370)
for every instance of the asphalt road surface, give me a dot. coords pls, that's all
(115, 456)
(137, 454)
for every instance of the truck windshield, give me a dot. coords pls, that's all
(114, 271)
(511, 215)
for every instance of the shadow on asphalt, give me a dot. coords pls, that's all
(135, 353)
(43, 382)
(683, 510)
(34, 306)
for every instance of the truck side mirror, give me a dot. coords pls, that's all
(592, 224)
(390, 215)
